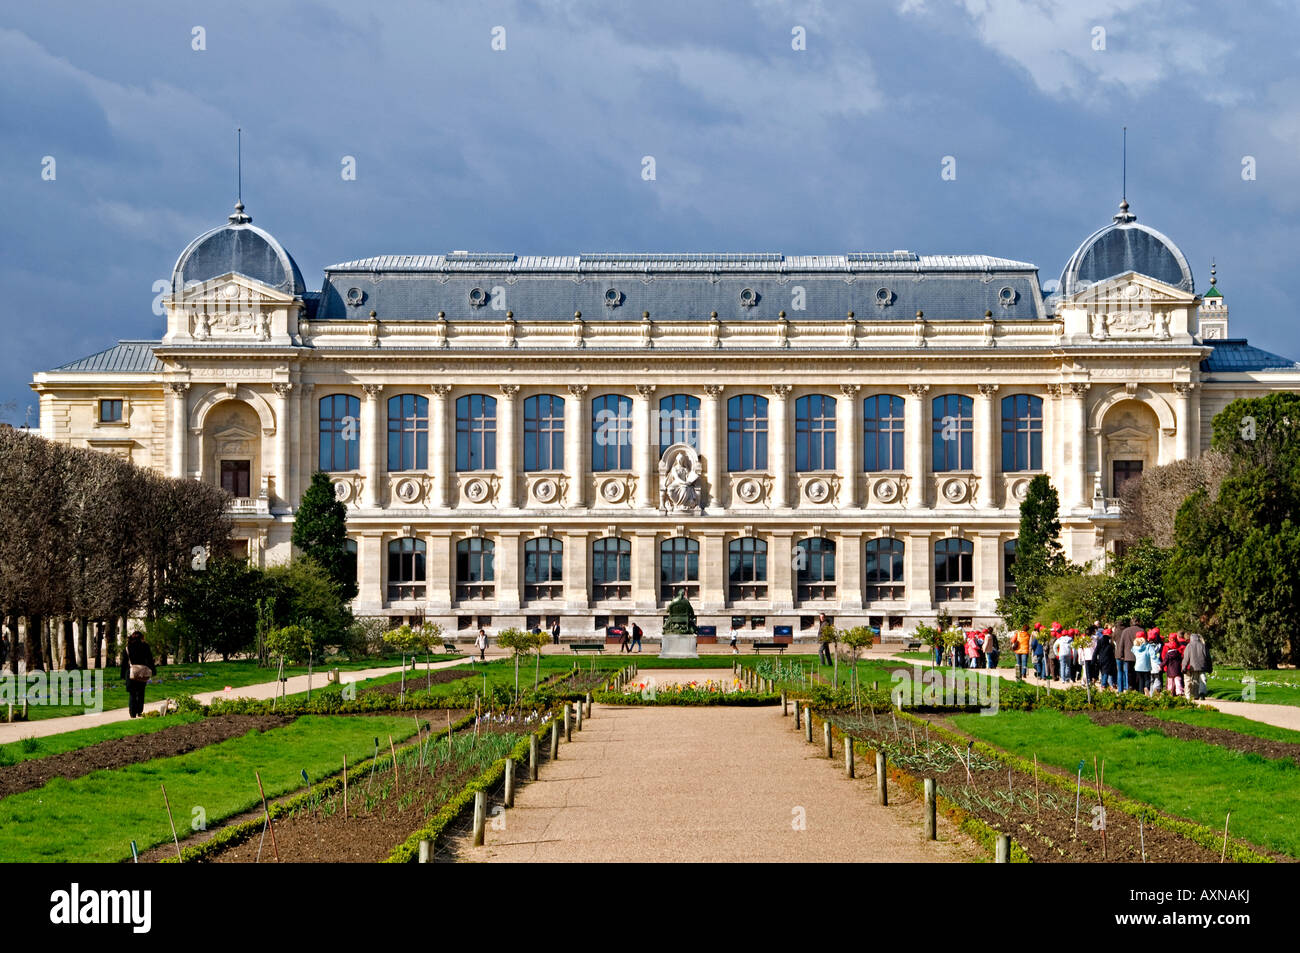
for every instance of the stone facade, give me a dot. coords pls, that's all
(1088, 387)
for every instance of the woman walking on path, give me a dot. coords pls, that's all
(137, 668)
(480, 643)
(1196, 665)
(991, 648)
(1063, 650)
(735, 639)
(1173, 663)
(1103, 657)
(1141, 663)
(1020, 645)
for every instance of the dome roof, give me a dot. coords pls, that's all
(241, 247)
(1124, 246)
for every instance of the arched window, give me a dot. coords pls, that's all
(814, 433)
(883, 569)
(474, 568)
(350, 561)
(408, 432)
(679, 421)
(747, 568)
(679, 568)
(340, 433)
(815, 561)
(543, 433)
(476, 432)
(953, 422)
(611, 433)
(882, 430)
(611, 568)
(543, 568)
(1009, 567)
(406, 568)
(747, 432)
(1022, 433)
(954, 577)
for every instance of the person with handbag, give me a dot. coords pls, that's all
(137, 668)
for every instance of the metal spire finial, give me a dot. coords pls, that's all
(1213, 276)
(1124, 215)
(238, 217)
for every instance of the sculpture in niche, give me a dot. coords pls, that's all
(680, 469)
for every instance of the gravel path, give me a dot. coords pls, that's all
(704, 784)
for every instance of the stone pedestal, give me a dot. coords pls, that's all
(678, 646)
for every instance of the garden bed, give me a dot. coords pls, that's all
(119, 752)
(1247, 744)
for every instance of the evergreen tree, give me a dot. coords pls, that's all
(320, 531)
(1038, 553)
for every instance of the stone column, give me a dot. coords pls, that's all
(577, 594)
(645, 573)
(283, 427)
(713, 571)
(848, 430)
(373, 438)
(178, 426)
(576, 434)
(916, 438)
(1183, 446)
(643, 437)
(507, 458)
(848, 571)
(1053, 434)
(988, 572)
(781, 574)
(920, 584)
(778, 439)
(370, 571)
(439, 570)
(1077, 489)
(507, 563)
(713, 444)
(439, 445)
(987, 435)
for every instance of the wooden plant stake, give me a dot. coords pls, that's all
(1097, 776)
(449, 736)
(1142, 839)
(374, 762)
(267, 811)
(419, 740)
(1223, 855)
(177, 841)
(345, 789)
(397, 786)
(1037, 804)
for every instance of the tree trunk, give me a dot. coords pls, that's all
(49, 645)
(110, 643)
(35, 638)
(83, 641)
(97, 656)
(69, 645)
(14, 643)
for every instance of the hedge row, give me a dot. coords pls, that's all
(237, 833)
(690, 699)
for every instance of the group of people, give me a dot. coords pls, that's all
(1132, 659)
(978, 649)
(631, 638)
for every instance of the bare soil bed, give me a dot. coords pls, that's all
(119, 752)
(1222, 737)
(1005, 800)
(417, 681)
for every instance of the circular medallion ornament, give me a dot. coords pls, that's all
(544, 491)
(817, 491)
(954, 491)
(407, 490)
(748, 490)
(476, 491)
(612, 490)
(886, 491)
(230, 290)
(342, 491)
(1020, 490)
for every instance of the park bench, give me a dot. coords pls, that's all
(579, 647)
(450, 646)
(759, 646)
(913, 645)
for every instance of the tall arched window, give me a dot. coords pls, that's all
(747, 432)
(953, 422)
(815, 561)
(340, 433)
(408, 432)
(350, 561)
(1009, 567)
(475, 578)
(406, 568)
(1022, 433)
(611, 433)
(611, 568)
(543, 433)
(679, 421)
(679, 568)
(747, 568)
(882, 430)
(543, 568)
(814, 433)
(476, 432)
(954, 576)
(883, 569)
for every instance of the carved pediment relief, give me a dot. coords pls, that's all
(235, 440)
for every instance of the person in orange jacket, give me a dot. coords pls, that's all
(1020, 645)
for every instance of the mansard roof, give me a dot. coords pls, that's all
(1237, 355)
(124, 357)
(884, 285)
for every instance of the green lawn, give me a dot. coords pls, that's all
(1272, 686)
(193, 679)
(1191, 779)
(29, 748)
(95, 818)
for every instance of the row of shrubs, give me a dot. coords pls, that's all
(1010, 697)
(689, 697)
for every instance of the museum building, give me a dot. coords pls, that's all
(520, 439)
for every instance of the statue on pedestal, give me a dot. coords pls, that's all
(681, 617)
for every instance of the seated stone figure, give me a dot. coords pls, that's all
(681, 617)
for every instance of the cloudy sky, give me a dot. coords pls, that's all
(538, 148)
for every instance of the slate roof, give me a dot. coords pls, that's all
(241, 247)
(1122, 246)
(1236, 355)
(124, 357)
(619, 286)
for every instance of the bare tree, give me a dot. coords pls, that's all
(1150, 504)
